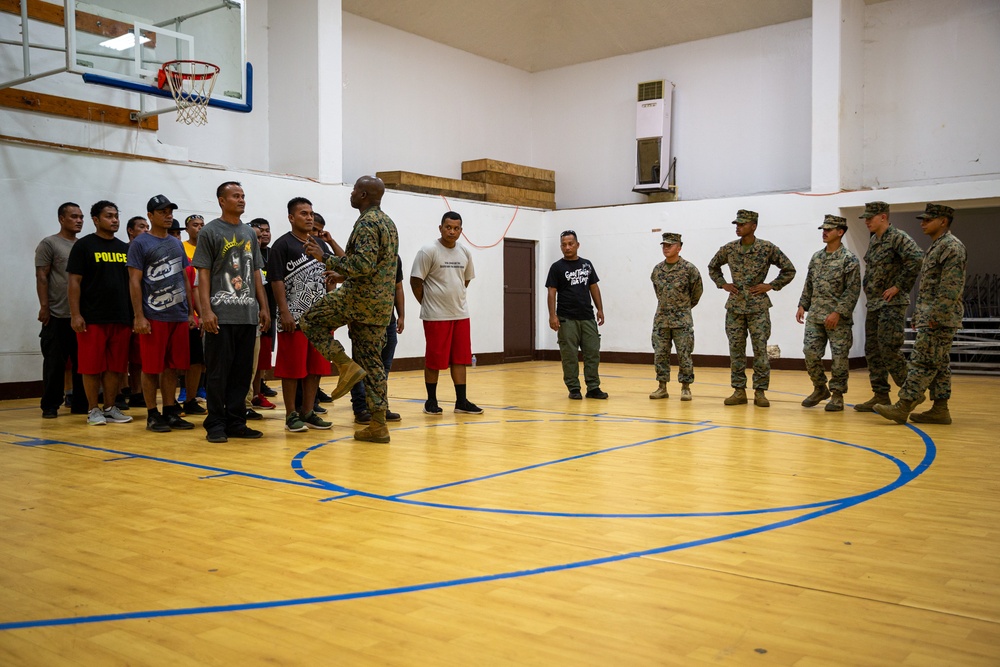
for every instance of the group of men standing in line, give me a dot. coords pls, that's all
(95, 293)
(826, 306)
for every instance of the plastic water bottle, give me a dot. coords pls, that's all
(473, 361)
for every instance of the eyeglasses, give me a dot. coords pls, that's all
(568, 232)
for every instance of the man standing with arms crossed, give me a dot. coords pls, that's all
(574, 281)
(678, 288)
(161, 301)
(58, 341)
(234, 306)
(99, 310)
(833, 285)
(442, 270)
(749, 259)
(364, 302)
(937, 317)
(892, 263)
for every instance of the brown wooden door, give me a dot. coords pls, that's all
(518, 300)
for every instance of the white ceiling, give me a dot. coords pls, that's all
(536, 35)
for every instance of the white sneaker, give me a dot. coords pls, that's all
(114, 415)
(96, 418)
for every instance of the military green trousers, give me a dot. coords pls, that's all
(758, 326)
(683, 340)
(576, 335)
(883, 341)
(930, 364)
(814, 347)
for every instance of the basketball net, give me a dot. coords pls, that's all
(191, 83)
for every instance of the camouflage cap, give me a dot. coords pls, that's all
(744, 216)
(874, 208)
(670, 237)
(937, 211)
(833, 222)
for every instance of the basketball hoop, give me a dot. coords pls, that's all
(191, 83)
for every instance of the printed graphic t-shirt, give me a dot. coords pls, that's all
(301, 275)
(572, 280)
(162, 262)
(233, 256)
(101, 263)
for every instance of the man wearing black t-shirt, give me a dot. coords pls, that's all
(574, 280)
(99, 311)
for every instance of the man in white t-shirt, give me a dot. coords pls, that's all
(441, 272)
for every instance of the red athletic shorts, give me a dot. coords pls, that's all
(448, 343)
(298, 358)
(264, 362)
(103, 347)
(167, 345)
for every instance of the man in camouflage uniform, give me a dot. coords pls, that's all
(747, 308)
(892, 263)
(938, 316)
(364, 301)
(678, 288)
(833, 285)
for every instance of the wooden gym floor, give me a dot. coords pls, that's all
(544, 532)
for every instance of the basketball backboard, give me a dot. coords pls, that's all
(123, 43)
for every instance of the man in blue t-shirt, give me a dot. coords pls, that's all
(574, 280)
(161, 302)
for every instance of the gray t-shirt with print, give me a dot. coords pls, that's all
(232, 254)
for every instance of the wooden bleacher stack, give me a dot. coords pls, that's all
(484, 180)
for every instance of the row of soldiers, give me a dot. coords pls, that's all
(833, 285)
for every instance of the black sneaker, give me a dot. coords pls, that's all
(50, 413)
(193, 407)
(596, 393)
(156, 423)
(244, 432)
(318, 409)
(468, 408)
(363, 417)
(576, 395)
(267, 391)
(391, 416)
(323, 397)
(136, 401)
(431, 408)
(253, 414)
(121, 403)
(174, 421)
(216, 436)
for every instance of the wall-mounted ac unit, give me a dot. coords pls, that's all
(652, 136)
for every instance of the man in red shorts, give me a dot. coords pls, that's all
(98, 304)
(441, 272)
(298, 282)
(161, 301)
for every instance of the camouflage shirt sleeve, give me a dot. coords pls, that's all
(848, 299)
(715, 266)
(786, 271)
(805, 299)
(361, 258)
(910, 256)
(697, 289)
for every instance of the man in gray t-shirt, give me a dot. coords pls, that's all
(58, 340)
(233, 303)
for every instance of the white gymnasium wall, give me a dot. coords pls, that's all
(932, 90)
(411, 104)
(741, 117)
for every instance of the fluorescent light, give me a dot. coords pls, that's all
(122, 42)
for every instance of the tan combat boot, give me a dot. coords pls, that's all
(739, 397)
(760, 400)
(869, 405)
(836, 402)
(897, 412)
(661, 391)
(685, 392)
(350, 375)
(376, 431)
(938, 414)
(820, 393)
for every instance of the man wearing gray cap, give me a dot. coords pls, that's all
(678, 287)
(937, 317)
(749, 259)
(833, 285)
(892, 263)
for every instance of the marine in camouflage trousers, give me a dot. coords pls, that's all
(683, 340)
(367, 341)
(929, 365)
(758, 326)
(814, 346)
(883, 341)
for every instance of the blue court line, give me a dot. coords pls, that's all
(398, 590)
(930, 453)
(31, 442)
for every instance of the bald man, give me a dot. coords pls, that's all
(364, 301)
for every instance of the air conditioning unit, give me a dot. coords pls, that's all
(652, 136)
